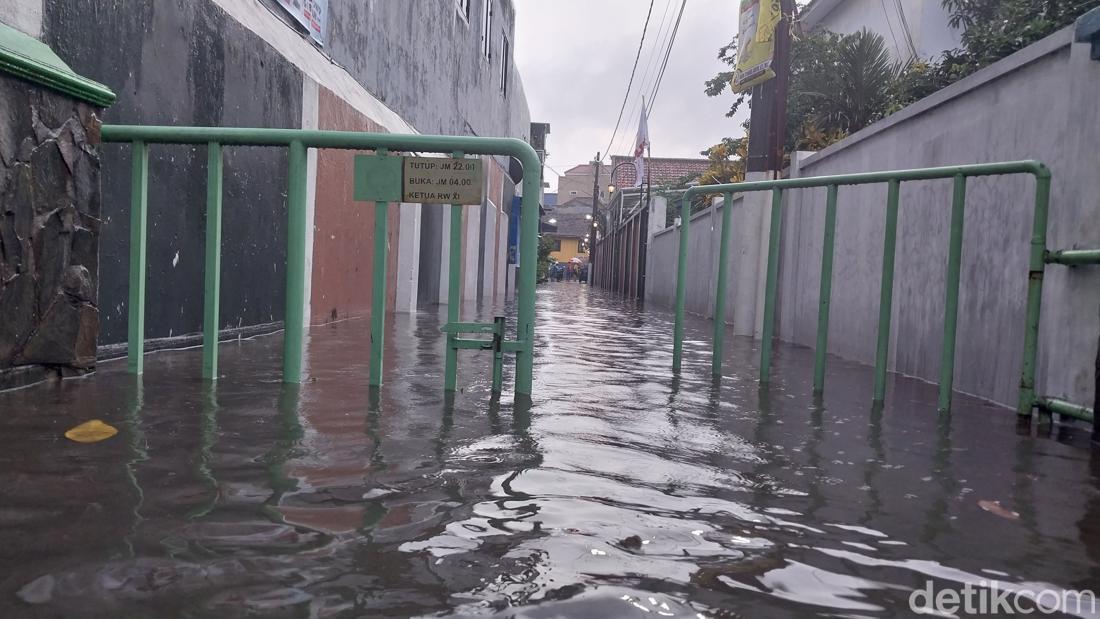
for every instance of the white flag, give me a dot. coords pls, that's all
(641, 144)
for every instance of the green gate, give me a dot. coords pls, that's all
(1039, 257)
(298, 141)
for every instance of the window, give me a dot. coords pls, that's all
(572, 193)
(555, 244)
(462, 7)
(487, 31)
(504, 63)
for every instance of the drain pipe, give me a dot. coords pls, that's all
(1096, 396)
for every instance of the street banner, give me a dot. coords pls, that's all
(756, 43)
(313, 14)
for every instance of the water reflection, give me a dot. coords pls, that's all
(616, 490)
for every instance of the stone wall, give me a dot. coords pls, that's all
(49, 233)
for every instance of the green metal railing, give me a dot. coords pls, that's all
(298, 142)
(1038, 258)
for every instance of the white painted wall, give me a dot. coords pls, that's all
(927, 23)
(23, 15)
(408, 257)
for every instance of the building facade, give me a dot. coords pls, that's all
(432, 67)
(577, 183)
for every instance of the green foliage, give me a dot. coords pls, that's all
(842, 83)
(546, 245)
(992, 30)
(839, 84)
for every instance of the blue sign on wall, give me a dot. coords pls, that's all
(513, 231)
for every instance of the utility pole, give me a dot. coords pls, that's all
(592, 226)
(767, 122)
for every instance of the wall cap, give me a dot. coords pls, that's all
(25, 57)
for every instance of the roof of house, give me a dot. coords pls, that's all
(569, 225)
(584, 169)
(662, 170)
(578, 205)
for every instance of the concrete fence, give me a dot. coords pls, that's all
(1039, 103)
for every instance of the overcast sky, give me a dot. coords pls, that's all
(575, 58)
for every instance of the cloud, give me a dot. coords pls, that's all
(575, 58)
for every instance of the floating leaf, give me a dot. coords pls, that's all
(995, 508)
(91, 432)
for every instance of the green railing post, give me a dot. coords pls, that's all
(498, 354)
(454, 272)
(139, 206)
(771, 286)
(951, 298)
(886, 295)
(681, 282)
(213, 264)
(294, 321)
(1036, 267)
(378, 295)
(723, 274)
(529, 244)
(826, 292)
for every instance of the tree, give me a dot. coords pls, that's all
(842, 83)
(839, 84)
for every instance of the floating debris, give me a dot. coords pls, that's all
(91, 432)
(995, 508)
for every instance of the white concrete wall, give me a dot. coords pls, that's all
(927, 23)
(23, 15)
(408, 257)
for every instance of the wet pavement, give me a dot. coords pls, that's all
(619, 491)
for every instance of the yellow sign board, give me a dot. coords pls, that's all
(756, 43)
(432, 180)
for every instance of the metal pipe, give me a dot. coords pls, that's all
(139, 206)
(450, 372)
(951, 296)
(895, 177)
(529, 241)
(296, 236)
(824, 297)
(213, 262)
(1036, 267)
(1067, 409)
(723, 275)
(771, 287)
(299, 140)
(1074, 257)
(886, 294)
(378, 293)
(681, 281)
(863, 178)
(498, 354)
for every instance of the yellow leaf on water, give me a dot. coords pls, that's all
(91, 432)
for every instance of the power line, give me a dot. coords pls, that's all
(669, 42)
(630, 83)
(652, 61)
(668, 53)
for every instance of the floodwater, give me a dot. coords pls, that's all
(619, 492)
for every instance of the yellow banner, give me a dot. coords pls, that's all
(756, 43)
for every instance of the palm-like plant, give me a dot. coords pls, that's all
(850, 88)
